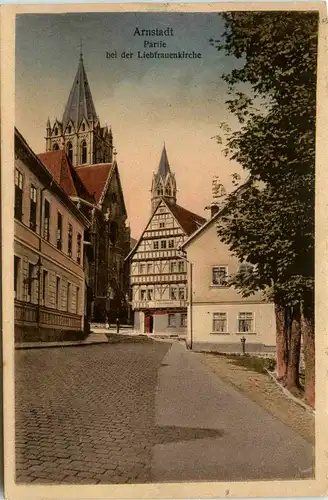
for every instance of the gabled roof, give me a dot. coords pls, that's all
(44, 173)
(218, 214)
(62, 171)
(95, 177)
(80, 103)
(187, 220)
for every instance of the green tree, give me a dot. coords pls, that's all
(269, 222)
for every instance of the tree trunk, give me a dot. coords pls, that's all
(294, 351)
(309, 352)
(281, 354)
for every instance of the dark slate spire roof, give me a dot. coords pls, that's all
(80, 103)
(164, 167)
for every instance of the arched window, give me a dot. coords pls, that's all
(83, 127)
(55, 147)
(113, 232)
(69, 129)
(56, 131)
(70, 151)
(83, 152)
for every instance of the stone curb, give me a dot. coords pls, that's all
(41, 345)
(289, 394)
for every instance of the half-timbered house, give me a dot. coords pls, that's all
(157, 274)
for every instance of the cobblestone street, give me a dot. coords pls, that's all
(121, 413)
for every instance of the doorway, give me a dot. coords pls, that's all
(149, 323)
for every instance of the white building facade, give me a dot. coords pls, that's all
(218, 316)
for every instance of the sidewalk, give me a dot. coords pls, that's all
(93, 338)
(251, 444)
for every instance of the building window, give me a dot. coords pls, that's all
(182, 294)
(83, 152)
(219, 322)
(78, 248)
(18, 195)
(171, 243)
(83, 127)
(142, 268)
(174, 293)
(142, 294)
(77, 300)
(55, 147)
(68, 297)
(149, 294)
(246, 267)
(57, 292)
(56, 131)
(172, 320)
(149, 268)
(70, 129)
(183, 319)
(163, 244)
(44, 286)
(245, 322)
(155, 245)
(30, 282)
(70, 151)
(59, 231)
(46, 220)
(219, 275)
(33, 198)
(17, 265)
(69, 240)
(173, 267)
(181, 266)
(162, 224)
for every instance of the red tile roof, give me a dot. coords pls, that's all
(94, 177)
(57, 163)
(189, 221)
(64, 174)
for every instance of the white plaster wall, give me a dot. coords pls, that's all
(264, 318)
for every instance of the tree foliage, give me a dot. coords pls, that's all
(270, 220)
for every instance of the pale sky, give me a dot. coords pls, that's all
(146, 101)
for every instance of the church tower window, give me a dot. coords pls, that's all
(56, 131)
(70, 151)
(55, 147)
(83, 127)
(83, 152)
(70, 129)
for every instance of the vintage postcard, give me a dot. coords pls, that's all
(163, 207)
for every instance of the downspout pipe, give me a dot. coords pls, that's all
(182, 255)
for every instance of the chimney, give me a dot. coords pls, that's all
(214, 209)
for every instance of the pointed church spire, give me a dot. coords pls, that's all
(163, 185)
(80, 103)
(164, 166)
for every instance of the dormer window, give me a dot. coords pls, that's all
(70, 151)
(83, 152)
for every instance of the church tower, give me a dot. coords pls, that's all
(79, 132)
(163, 184)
